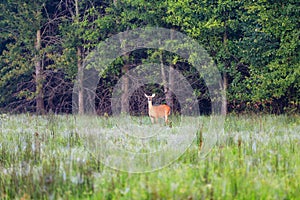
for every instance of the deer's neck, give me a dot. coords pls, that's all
(150, 104)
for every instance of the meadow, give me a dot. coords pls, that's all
(45, 157)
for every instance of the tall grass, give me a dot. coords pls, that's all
(44, 157)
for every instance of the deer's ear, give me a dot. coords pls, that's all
(145, 95)
(153, 95)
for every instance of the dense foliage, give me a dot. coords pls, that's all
(255, 45)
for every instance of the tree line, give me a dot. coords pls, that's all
(254, 44)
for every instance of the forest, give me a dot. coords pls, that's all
(254, 45)
(77, 82)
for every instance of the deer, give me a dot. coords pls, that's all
(159, 111)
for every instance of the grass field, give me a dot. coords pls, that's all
(44, 157)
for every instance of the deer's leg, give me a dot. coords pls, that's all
(166, 119)
(152, 119)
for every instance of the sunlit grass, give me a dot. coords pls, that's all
(46, 157)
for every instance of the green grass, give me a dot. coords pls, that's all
(46, 157)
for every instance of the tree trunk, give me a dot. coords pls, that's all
(125, 89)
(225, 79)
(125, 78)
(169, 97)
(163, 74)
(79, 68)
(80, 82)
(167, 85)
(224, 100)
(40, 108)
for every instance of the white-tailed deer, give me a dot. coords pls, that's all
(160, 111)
